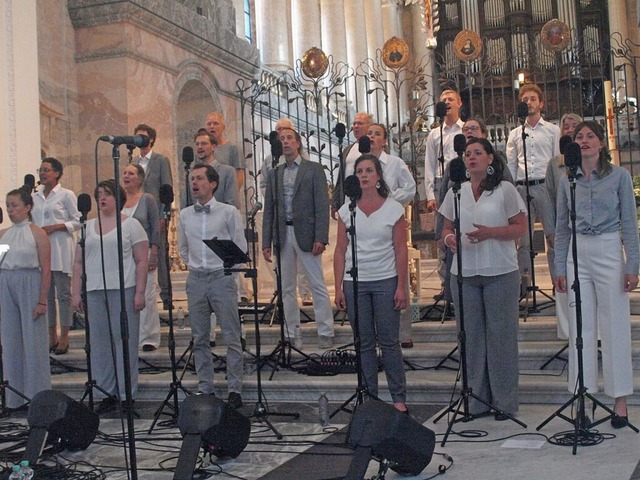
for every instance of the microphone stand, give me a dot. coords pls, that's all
(171, 400)
(533, 288)
(582, 434)
(187, 170)
(361, 389)
(462, 403)
(124, 322)
(261, 409)
(341, 172)
(90, 384)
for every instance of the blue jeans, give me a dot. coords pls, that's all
(378, 323)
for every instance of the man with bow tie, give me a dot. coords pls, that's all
(208, 288)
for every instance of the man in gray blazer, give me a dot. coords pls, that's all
(300, 188)
(157, 172)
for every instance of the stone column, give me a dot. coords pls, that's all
(333, 25)
(305, 23)
(274, 33)
(392, 28)
(19, 94)
(357, 50)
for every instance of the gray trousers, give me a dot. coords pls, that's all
(60, 288)
(215, 292)
(25, 341)
(542, 208)
(491, 326)
(378, 323)
(107, 361)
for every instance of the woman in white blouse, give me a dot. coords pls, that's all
(492, 217)
(55, 209)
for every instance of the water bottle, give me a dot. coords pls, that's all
(180, 317)
(25, 470)
(323, 409)
(15, 473)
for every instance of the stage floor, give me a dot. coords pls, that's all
(489, 450)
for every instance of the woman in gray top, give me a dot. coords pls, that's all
(144, 208)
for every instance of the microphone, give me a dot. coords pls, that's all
(84, 205)
(340, 130)
(459, 144)
(352, 187)
(135, 140)
(564, 141)
(256, 208)
(166, 197)
(573, 158)
(364, 146)
(441, 110)
(187, 156)
(276, 150)
(30, 182)
(273, 135)
(523, 111)
(457, 171)
(1, 219)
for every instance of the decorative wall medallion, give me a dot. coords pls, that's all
(314, 62)
(555, 35)
(395, 53)
(467, 45)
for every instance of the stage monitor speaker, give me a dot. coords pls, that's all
(207, 421)
(70, 424)
(380, 430)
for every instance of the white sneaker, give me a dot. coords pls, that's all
(325, 342)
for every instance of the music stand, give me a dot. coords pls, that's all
(229, 253)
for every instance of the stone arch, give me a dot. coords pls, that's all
(196, 94)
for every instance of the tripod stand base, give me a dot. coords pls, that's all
(261, 413)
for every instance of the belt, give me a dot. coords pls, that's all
(530, 182)
(289, 222)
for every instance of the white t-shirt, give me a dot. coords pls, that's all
(493, 209)
(132, 233)
(374, 237)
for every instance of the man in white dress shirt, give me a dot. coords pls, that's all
(208, 288)
(543, 143)
(433, 166)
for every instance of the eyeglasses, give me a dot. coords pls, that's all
(45, 170)
(470, 129)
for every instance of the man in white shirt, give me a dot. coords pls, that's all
(437, 158)
(208, 288)
(543, 143)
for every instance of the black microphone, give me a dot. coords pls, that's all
(441, 110)
(352, 187)
(256, 208)
(166, 197)
(523, 111)
(273, 135)
(30, 182)
(187, 156)
(135, 140)
(340, 130)
(564, 141)
(276, 150)
(84, 206)
(459, 144)
(573, 158)
(1, 219)
(364, 145)
(457, 171)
